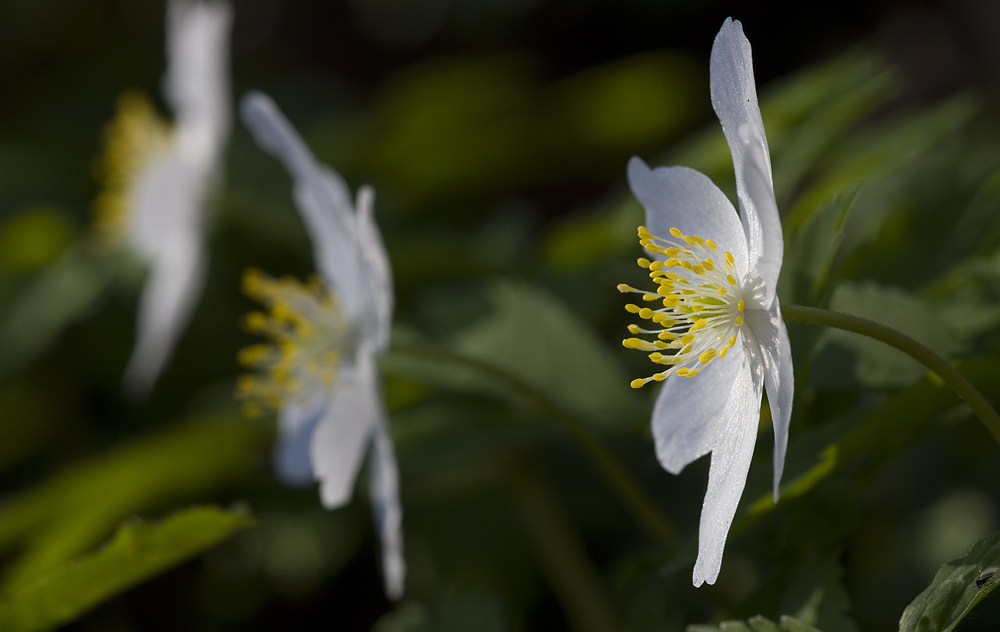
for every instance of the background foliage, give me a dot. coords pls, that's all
(496, 134)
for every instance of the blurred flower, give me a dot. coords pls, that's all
(720, 322)
(319, 370)
(157, 178)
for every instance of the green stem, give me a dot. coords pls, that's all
(643, 508)
(909, 346)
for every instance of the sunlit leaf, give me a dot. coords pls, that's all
(137, 552)
(957, 587)
(78, 506)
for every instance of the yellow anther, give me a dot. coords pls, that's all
(643, 262)
(686, 349)
(723, 352)
(638, 383)
(671, 301)
(711, 244)
(623, 288)
(659, 345)
(699, 325)
(664, 290)
(644, 233)
(707, 356)
(690, 240)
(708, 264)
(741, 305)
(676, 233)
(698, 270)
(650, 297)
(687, 264)
(732, 341)
(672, 252)
(632, 308)
(656, 357)
(666, 335)
(729, 258)
(633, 329)
(693, 372)
(722, 291)
(659, 377)
(683, 371)
(687, 339)
(646, 313)
(698, 239)
(656, 265)
(659, 317)
(671, 263)
(739, 321)
(731, 279)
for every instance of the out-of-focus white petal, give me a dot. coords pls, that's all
(727, 475)
(343, 435)
(387, 511)
(322, 198)
(197, 81)
(690, 410)
(292, 457)
(734, 97)
(166, 231)
(377, 264)
(688, 200)
(768, 331)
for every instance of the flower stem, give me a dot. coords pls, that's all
(643, 508)
(941, 367)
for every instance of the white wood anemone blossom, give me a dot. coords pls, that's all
(719, 333)
(159, 177)
(319, 370)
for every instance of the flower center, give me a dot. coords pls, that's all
(135, 134)
(307, 335)
(703, 304)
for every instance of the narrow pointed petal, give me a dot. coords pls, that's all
(377, 265)
(682, 198)
(690, 411)
(323, 200)
(343, 435)
(734, 97)
(166, 231)
(387, 510)
(727, 475)
(197, 81)
(768, 332)
(292, 459)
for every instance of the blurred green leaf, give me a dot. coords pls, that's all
(137, 552)
(56, 296)
(816, 595)
(954, 590)
(457, 613)
(77, 507)
(33, 238)
(811, 250)
(875, 364)
(580, 240)
(757, 624)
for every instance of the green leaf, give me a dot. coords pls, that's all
(877, 365)
(816, 596)
(812, 248)
(137, 552)
(953, 592)
(78, 506)
(457, 613)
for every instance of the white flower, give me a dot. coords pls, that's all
(160, 177)
(720, 334)
(321, 372)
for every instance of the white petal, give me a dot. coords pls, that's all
(377, 264)
(387, 511)
(727, 475)
(734, 97)
(343, 435)
(767, 330)
(197, 81)
(690, 411)
(323, 200)
(166, 231)
(292, 459)
(682, 198)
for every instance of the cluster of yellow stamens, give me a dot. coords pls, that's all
(307, 335)
(135, 134)
(702, 302)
